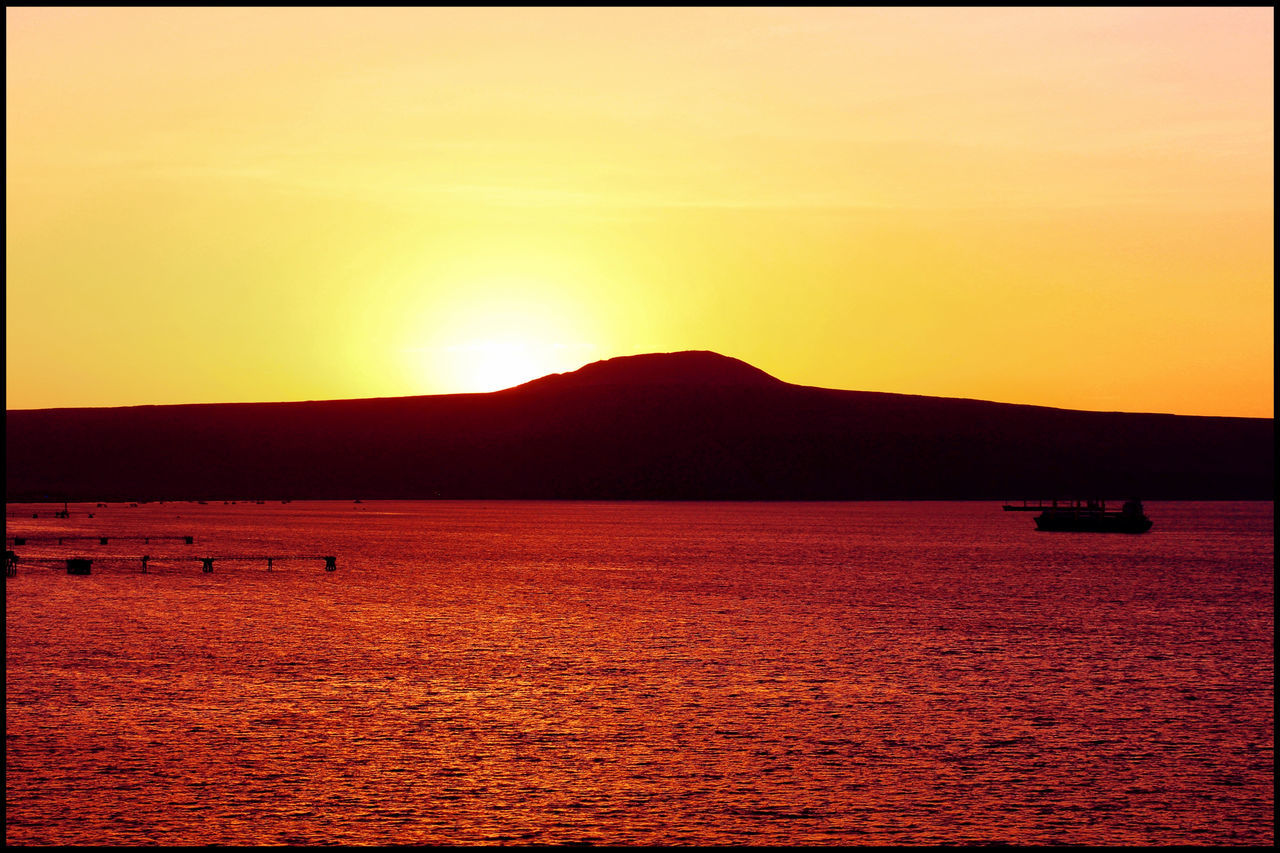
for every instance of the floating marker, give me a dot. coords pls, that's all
(78, 566)
(208, 564)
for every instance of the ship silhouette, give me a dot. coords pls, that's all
(1087, 516)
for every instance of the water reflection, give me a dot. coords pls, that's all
(650, 673)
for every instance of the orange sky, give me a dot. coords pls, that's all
(1066, 207)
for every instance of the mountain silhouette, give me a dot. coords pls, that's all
(692, 367)
(689, 425)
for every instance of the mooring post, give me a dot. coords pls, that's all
(268, 564)
(330, 564)
(10, 564)
(145, 557)
(208, 564)
(102, 540)
(190, 540)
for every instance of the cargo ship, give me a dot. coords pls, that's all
(1090, 516)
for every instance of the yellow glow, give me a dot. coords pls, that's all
(1060, 206)
(490, 365)
(488, 333)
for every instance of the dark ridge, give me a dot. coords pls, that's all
(674, 426)
(691, 367)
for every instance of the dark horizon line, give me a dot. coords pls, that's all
(550, 376)
(278, 501)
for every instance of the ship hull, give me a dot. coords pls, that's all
(1072, 523)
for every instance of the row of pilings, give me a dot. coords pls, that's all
(84, 565)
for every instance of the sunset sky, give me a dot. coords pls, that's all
(1065, 207)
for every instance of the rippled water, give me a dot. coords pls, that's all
(853, 673)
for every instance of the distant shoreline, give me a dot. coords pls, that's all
(692, 426)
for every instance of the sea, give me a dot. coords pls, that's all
(517, 672)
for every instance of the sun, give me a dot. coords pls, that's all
(494, 364)
(497, 333)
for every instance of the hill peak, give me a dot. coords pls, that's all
(690, 367)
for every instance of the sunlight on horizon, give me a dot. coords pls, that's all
(492, 365)
(492, 327)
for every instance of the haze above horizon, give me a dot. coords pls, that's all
(1057, 207)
